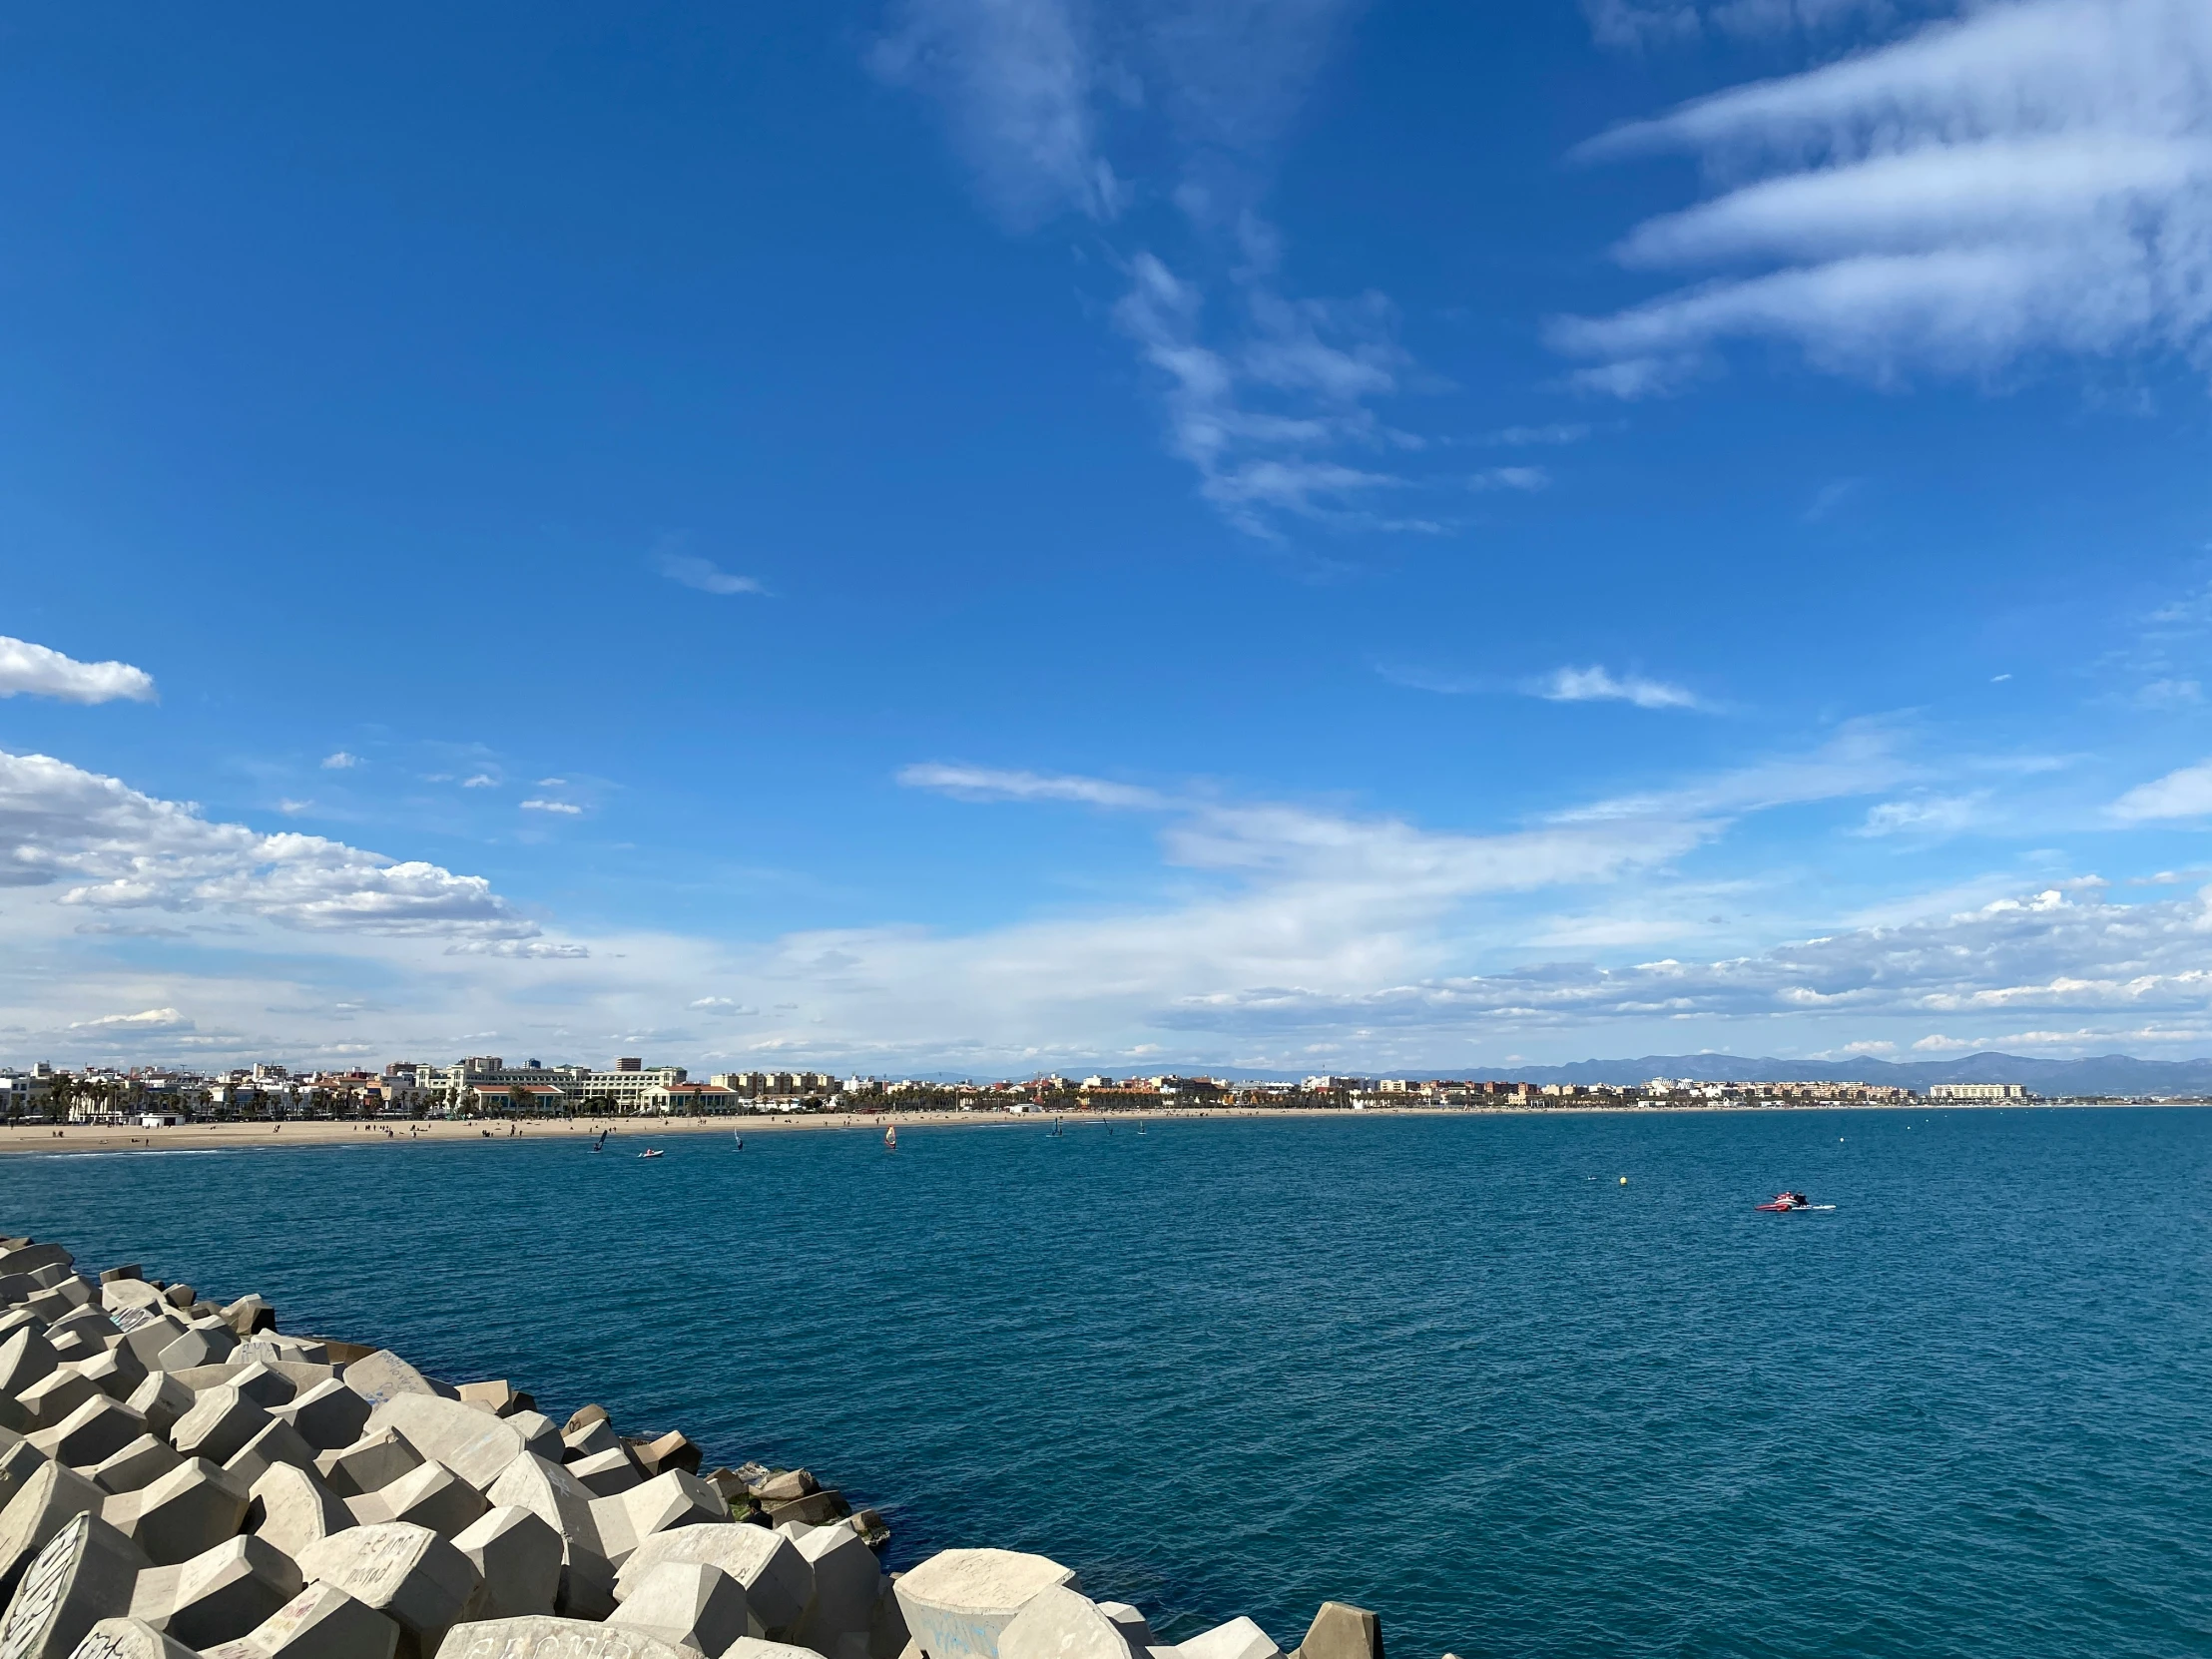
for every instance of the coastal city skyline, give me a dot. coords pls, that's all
(942, 538)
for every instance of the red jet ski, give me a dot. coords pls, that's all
(1787, 1201)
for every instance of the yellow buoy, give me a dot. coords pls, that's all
(1624, 1179)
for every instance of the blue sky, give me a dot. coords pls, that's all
(1004, 534)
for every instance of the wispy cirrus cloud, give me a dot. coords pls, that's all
(996, 783)
(690, 571)
(1017, 81)
(1527, 479)
(28, 670)
(2031, 177)
(2184, 793)
(1601, 685)
(1268, 396)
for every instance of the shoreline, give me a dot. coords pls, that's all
(32, 1139)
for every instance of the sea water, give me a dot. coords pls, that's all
(1451, 1368)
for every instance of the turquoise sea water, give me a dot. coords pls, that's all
(1449, 1369)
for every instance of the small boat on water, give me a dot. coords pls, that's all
(653, 1152)
(1784, 1202)
(891, 1137)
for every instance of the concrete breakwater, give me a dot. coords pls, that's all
(179, 1478)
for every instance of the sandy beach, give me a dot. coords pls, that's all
(206, 1137)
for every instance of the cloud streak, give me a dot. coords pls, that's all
(704, 575)
(2032, 177)
(1601, 685)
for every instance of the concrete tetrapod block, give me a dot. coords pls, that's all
(544, 1638)
(607, 1474)
(1341, 1631)
(53, 1397)
(887, 1636)
(1060, 1623)
(248, 1314)
(959, 1600)
(116, 1372)
(221, 1593)
(321, 1622)
(161, 1400)
(219, 1426)
(45, 1504)
(673, 1451)
(137, 1465)
(665, 1502)
(504, 1399)
(687, 1603)
(18, 1462)
(519, 1556)
(791, 1483)
(280, 1443)
(293, 1508)
(129, 1639)
(1238, 1639)
(91, 1435)
(203, 1344)
(473, 1444)
(264, 1385)
(116, 1294)
(539, 1437)
(30, 1258)
(384, 1375)
(583, 1417)
(409, 1574)
(588, 1438)
(778, 1580)
(186, 1512)
(814, 1510)
(431, 1495)
(755, 1647)
(547, 1491)
(847, 1581)
(83, 1576)
(1135, 1629)
(376, 1459)
(329, 1415)
(148, 1333)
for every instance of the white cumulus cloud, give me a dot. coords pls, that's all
(565, 808)
(109, 848)
(37, 671)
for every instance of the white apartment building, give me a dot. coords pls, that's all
(776, 1082)
(1978, 1091)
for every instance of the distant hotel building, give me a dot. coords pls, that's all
(1978, 1091)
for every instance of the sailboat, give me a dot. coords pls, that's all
(891, 1137)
